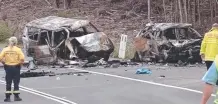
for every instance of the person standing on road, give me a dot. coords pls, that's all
(210, 78)
(12, 58)
(209, 46)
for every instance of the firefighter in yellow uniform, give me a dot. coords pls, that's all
(12, 57)
(209, 46)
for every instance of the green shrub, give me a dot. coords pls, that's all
(130, 50)
(5, 31)
(62, 14)
(116, 51)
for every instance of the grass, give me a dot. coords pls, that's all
(2, 44)
(5, 31)
(130, 51)
(66, 14)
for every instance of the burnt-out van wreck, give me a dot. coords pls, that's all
(54, 38)
(168, 43)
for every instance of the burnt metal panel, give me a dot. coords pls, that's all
(55, 23)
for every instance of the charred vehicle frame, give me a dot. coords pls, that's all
(53, 38)
(168, 42)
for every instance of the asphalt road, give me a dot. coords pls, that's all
(181, 85)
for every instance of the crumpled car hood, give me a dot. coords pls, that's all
(94, 42)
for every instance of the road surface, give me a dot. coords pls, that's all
(181, 85)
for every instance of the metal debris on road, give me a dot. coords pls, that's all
(32, 65)
(33, 74)
(115, 65)
(74, 63)
(58, 78)
(162, 76)
(42, 73)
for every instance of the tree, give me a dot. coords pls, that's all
(165, 17)
(185, 10)
(199, 13)
(149, 10)
(57, 2)
(67, 3)
(180, 11)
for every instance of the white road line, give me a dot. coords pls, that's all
(32, 90)
(42, 94)
(143, 81)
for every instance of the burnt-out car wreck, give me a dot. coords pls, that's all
(168, 43)
(53, 38)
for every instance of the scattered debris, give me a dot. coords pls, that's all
(42, 73)
(51, 74)
(74, 63)
(79, 74)
(162, 76)
(143, 71)
(33, 74)
(192, 65)
(111, 63)
(90, 65)
(168, 42)
(115, 65)
(133, 63)
(58, 78)
(73, 73)
(162, 68)
(32, 65)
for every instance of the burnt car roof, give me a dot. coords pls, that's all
(164, 26)
(55, 23)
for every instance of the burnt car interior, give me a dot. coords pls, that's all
(40, 36)
(179, 34)
(174, 42)
(44, 37)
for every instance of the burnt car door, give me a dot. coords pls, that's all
(36, 46)
(30, 39)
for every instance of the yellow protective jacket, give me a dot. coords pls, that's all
(209, 45)
(11, 55)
